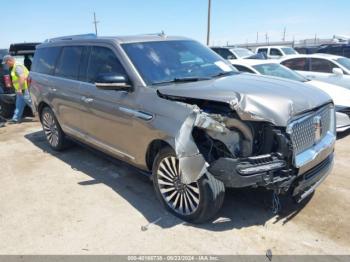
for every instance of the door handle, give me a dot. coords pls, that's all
(52, 89)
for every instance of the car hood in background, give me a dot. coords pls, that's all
(253, 97)
(340, 95)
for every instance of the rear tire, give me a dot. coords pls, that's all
(197, 202)
(53, 131)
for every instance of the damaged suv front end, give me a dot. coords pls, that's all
(239, 129)
(243, 148)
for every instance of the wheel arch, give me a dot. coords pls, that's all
(153, 149)
(41, 106)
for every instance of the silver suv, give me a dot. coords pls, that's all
(173, 108)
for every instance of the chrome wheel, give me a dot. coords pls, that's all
(50, 129)
(183, 199)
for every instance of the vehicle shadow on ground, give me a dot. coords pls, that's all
(242, 208)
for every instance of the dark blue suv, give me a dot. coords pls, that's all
(337, 49)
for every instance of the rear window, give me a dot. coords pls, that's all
(262, 50)
(68, 63)
(45, 60)
(296, 64)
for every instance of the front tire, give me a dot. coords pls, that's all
(53, 131)
(197, 202)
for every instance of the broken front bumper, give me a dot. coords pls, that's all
(271, 171)
(252, 171)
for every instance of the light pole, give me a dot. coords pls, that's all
(95, 22)
(208, 28)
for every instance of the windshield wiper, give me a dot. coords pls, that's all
(224, 74)
(183, 80)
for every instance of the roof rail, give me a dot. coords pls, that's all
(71, 37)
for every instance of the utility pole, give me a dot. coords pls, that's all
(95, 22)
(284, 34)
(257, 37)
(208, 28)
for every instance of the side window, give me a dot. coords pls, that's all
(102, 61)
(224, 53)
(262, 50)
(45, 60)
(69, 61)
(243, 69)
(84, 62)
(296, 64)
(322, 65)
(276, 52)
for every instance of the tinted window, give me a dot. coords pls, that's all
(103, 61)
(274, 51)
(82, 75)
(45, 60)
(296, 64)
(69, 61)
(243, 69)
(225, 53)
(322, 65)
(289, 51)
(262, 50)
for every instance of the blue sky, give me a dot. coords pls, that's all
(233, 21)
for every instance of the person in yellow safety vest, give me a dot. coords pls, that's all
(19, 74)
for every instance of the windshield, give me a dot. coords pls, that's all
(344, 62)
(279, 71)
(289, 51)
(168, 61)
(242, 52)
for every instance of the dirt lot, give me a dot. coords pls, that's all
(78, 202)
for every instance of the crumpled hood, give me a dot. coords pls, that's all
(256, 98)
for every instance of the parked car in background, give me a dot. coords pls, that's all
(23, 53)
(335, 49)
(340, 95)
(179, 112)
(323, 67)
(275, 52)
(307, 50)
(231, 53)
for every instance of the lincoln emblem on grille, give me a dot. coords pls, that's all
(318, 128)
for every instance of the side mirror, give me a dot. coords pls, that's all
(113, 82)
(338, 71)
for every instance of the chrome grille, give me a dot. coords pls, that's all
(303, 132)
